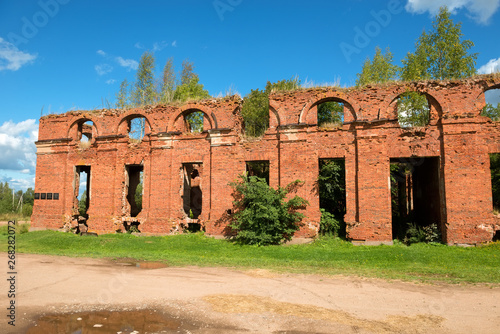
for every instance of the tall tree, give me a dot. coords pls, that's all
(441, 53)
(187, 73)
(144, 91)
(122, 97)
(168, 83)
(190, 88)
(378, 70)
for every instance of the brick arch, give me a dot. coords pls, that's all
(389, 108)
(133, 114)
(185, 110)
(308, 113)
(274, 117)
(73, 128)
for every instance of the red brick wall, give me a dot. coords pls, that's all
(457, 135)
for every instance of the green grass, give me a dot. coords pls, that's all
(326, 256)
(13, 216)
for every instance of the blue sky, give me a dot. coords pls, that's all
(61, 55)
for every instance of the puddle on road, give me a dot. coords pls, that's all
(123, 322)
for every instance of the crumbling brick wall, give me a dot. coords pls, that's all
(457, 138)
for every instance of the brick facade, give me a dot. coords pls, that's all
(452, 152)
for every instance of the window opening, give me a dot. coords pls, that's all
(332, 196)
(85, 134)
(495, 180)
(492, 108)
(136, 128)
(135, 188)
(258, 168)
(415, 199)
(192, 194)
(413, 110)
(330, 114)
(81, 192)
(194, 121)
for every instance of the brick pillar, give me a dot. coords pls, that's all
(374, 200)
(468, 188)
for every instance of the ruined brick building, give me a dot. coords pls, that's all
(185, 175)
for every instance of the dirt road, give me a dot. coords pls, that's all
(61, 294)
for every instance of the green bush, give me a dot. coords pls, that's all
(27, 210)
(416, 234)
(328, 225)
(262, 216)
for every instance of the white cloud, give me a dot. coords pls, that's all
(490, 67)
(17, 147)
(110, 81)
(102, 69)
(174, 44)
(479, 10)
(101, 53)
(18, 181)
(158, 46)
(11, 58)
(130, 64)
(138, 45)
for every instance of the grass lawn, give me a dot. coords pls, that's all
(326, 256)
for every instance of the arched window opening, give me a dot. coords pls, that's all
(136, 128)
(413, 110)
(492, 108)
(330, 114)
(194, 121)
(85, 134)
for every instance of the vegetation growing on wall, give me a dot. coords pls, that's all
(255, 110)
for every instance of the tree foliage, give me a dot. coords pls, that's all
(263, 216)
(190, 87)
(255, 109)
(332, 196)
(82, 204)
(413, 109)
(17, 202)
(440, 54)
(330, 113)
(144, 90)
(122, 97)
(255, 113)
(492, 112)
(379, 70)
(6, 200)
(168, 83)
